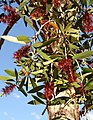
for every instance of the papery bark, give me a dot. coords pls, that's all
(68, 111)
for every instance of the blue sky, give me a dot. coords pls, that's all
(14, 106)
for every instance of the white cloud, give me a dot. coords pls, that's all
(89, 116)
(37, 117)
(5, 113)
(16, 95)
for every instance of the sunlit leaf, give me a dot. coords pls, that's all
(44, 55)
(72, 47)
(12, 39)
(83, 55)
(5, 78)
(10, 72)
(23, 38)
(37, 44)
(50, 61)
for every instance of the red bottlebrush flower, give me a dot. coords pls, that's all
(56, 3)
(65, 64)
(22, 52)
(48, 90)
(37, 13)
(8, 89)
(87, 22)
(67, 67)
(10, 15)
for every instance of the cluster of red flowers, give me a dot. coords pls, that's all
(48, 90)
(37, 13)
(67, 67)
(88, 22)
(22, 52)
(8, 89)
(10, 15)
(56, 3)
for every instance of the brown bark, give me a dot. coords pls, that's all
(68, 111)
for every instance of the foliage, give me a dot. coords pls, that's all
(58, 56)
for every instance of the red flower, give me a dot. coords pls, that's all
(65, 64)
(22, 52)
(56, 3)
(67, 67)
(8, 89)
(37, 13)
(88, 22)
(48, 90)
(10, 15)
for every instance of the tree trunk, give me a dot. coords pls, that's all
(68, 111)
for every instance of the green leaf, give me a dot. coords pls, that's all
(90, 2)
(33, 82)
(61, 27)
(16, 73)
(72, 47)
(38, 99)
(87, 70)
(37, 44)
(37, 72)
(22, 4)
(48, 6)
(33, 102)
(48, 42)
(23, 38)
(90, 108)
(36, 89)
(22, 82)
(83, 55)
(89, 86)
(68, 27)
(5, 78)
(12, 39)
(10, 72)
(41, 95)
(75, 84)
(44, 55)
(23, 91)
(26, 20)
(50, 61)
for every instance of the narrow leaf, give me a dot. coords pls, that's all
(38, 99)
(12, 39)
(10, 72)
(23, 91)
(83, 55)
(33, 102)
(50, 61)
(37, 44)
(33, 82)
(44, 55)
(5, 78)
(36, 89)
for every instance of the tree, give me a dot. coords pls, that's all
(56, 63)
